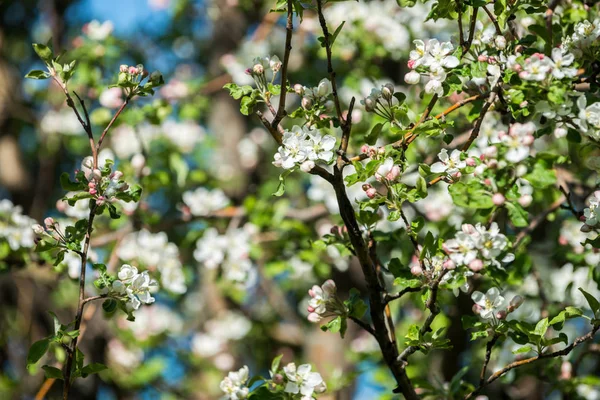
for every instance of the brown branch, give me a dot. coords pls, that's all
(460, 25)
(467, 46)
(81, 303)
(488, 355)
(284, 66)
(112, 121)
(410, 136)
(494, 21)
(520, 363)
(362, 324)
(539, 219)
(549, 14)
(392, 297)
(479, 121)
(434, 310)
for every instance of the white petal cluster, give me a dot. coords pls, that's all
(585, 35)
(323, 299)
(15, 227)
(153, 250)
(434, 58)
(477, 247)
(230, 251)
(97, 30)
(304, 145)
(135, 288)
(589, 118)
(234, 384)
(203, 201)
(518, 140)
(300, 380)
(592, 213)
(488, 304)
(449, 164)
(218, 331)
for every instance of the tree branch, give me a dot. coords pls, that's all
(284, 66)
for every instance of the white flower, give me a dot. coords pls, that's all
(324, 88)
(440, 54)
(561, 63)
(519, 140)
(589, 117)
(98, 31)
(234, 384)
(301, 380)
(321, 146)
(536, 68)
(127, 273)
(448, 164)
(203, 201)
(489, 303)
(418, 54)
(388, 170)
(591, 213)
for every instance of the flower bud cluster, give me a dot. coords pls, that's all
(591, 214)
(103, 185)
(380, 102)
(134, 72)
(324, 302)
(259, 71)
(316, 97)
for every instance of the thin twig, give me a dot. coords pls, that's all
(289, 27)
(362, 324)
(488, 355)
(392, 297)
(520, 363)
(112, 121)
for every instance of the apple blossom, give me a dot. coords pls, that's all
(301, 380)
(489, 303)
(448, 164)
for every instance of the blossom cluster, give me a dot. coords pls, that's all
(584, 37)
(588, 118)
(154, 251)
(492, 305)
(230, 251)
(433, 58)
(258, 71)
(304, 146)
(203, 201)
(538, 67)
(133, 287)
(15, 227)
(299, 382)
(477, 247)
(591, 214)
(317, 95)
(101, 186)
(324, 302)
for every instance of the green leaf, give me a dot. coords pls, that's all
(37, 350)
(521, 350)
(92, 368)
(276, 362)
(372, 137)
(336, 33)
(37, 74)
(594, 304)
(281, 187)
(471, 195)
(542, 176)
(68, 184)
(44, 52)
(52, 372)
(57, 325)
(517, 214)
(541, 327)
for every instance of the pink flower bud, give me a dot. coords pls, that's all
(482, 58)
(258, 69)
(310, 309)
(299, 89)
(314, 318)
(123, 68)
(364, 148)
(492, 60)
(501, 314)
(487, 181)
(416, 270)
(566, 370)
(248, 71)
(476, 308)
(311, 292)
(93, 192)
(393, 174)
(329, 286)
(306, 102)
(100, 200)
(449, 264)
(96, 174)
(411, 64)
(381, 151)
(92, 185)
(498, 199)
(516, 302)
(116, 175)
(528, 140)
(470, 161)
(476, 265)
(49, 222)
(562, 241)
(133, 70)
(38, 229)
(524, 104)
(456, 175)
(278, 379)
(371, 193)
(525, 200)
